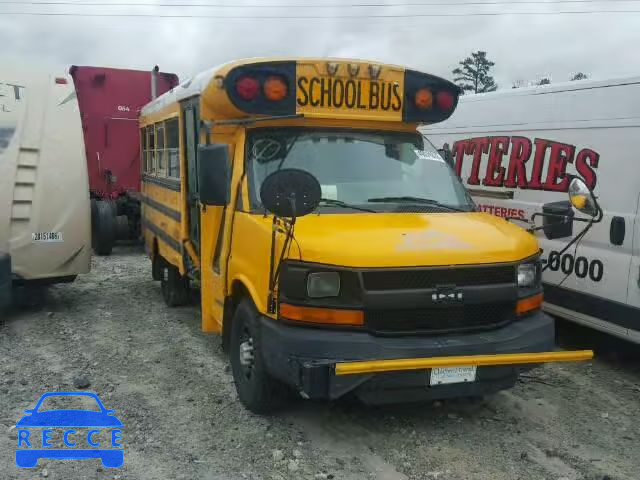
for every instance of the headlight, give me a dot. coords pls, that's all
(528, 274)
(323, 284)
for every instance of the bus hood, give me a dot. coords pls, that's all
(408, 239)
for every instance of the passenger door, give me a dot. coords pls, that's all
(215, 248)
(190, 116)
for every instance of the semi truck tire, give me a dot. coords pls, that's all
(104, 230)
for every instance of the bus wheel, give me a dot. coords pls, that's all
(257, 391)
(104, 230)
(175, 287)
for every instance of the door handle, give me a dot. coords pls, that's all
(617, 231)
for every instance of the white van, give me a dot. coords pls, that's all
(45, 231)
(512, 150)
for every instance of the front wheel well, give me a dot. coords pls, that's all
(238, 292)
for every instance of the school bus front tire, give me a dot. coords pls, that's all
(258, 392)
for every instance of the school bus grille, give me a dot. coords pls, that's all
(432, 277)
(440, 320)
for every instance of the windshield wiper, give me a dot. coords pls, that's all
(420, 200)
(341, 204)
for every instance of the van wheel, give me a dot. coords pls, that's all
(104, 229)
(257, 391)
(175, 287)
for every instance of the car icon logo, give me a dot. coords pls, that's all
(69, 433)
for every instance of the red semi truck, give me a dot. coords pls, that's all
(110, 100)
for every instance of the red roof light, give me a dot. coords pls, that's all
(445, 100)
(247, 88)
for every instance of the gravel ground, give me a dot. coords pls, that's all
(171, 386)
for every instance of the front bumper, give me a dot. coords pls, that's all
(305, 358)
(5, 279)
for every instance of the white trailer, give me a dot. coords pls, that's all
(512, 150)
(45, 231)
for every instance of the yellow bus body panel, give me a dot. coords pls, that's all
(411, 239)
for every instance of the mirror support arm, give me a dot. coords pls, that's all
(573, 241)
(271, 300)
(274, 273)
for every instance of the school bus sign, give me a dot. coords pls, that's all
(350, 90)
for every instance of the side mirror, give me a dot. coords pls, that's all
(581, 197)
(446, 154)
(214, 174)
(557, 220)
(290, 192)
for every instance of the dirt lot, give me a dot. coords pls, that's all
(171, 387)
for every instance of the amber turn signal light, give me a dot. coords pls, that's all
(322, 315)
(275, 89)
(424, 99)
(529, 304)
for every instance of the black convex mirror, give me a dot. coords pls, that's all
(214, 174)
(290, 193)
(557, 220)
(581, 197)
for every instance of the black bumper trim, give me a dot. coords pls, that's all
(304, 358)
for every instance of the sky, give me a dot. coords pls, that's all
(524, 47)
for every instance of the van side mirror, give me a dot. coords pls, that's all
(582, 198)
(214, 174)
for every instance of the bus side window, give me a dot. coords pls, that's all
(143, 149)
(151, 145)
(172, 137)
(160, 152)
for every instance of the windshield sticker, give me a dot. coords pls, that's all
(265, 149)
(422, 155)
(330, 192)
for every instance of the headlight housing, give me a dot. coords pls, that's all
(529, 274)
(323, 284)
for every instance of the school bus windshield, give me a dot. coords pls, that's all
(375, 169)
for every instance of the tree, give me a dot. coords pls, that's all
(544, 81)
(473, 74)
(579, 76)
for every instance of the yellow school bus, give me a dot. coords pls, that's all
(335, 250)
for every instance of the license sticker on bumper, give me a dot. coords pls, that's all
(444, 376)
(47, 237)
